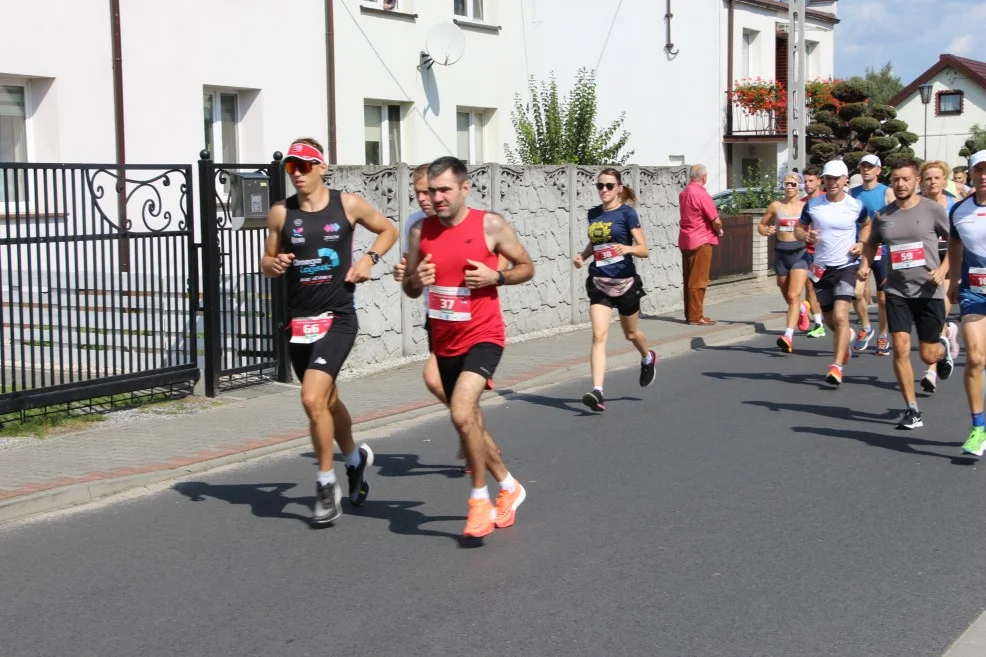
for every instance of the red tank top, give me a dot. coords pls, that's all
(460, 318)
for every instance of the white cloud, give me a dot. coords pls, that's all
(870, 11)
(961, 45)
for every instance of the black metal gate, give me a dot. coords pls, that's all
(243, 311)
(99, 272)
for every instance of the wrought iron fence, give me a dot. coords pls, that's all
(99, 281)
(243, 311)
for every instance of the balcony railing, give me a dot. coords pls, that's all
(741, 123)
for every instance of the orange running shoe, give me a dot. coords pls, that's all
(507, 503)
(834, 377)
(786, 344)
(479, 522)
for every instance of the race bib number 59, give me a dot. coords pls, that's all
(905, 256)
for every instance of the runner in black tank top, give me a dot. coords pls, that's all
(310, 239)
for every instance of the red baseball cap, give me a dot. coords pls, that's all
(302, 151)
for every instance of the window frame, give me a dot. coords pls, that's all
(473, 113)
(22, 206)
(218, 142)
(385, 107)
(949, 92)
(470, 14)
(749, 53)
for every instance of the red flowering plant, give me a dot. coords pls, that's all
(758, 95)
(818, 93)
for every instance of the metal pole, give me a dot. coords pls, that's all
(926, 131)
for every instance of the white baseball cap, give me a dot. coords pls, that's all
(977, 158)
(870, 158)
(836, 169)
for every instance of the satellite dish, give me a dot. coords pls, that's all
(444, 45)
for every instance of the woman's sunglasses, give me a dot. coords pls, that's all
(607, 186)
(302, 167)
(790, 184)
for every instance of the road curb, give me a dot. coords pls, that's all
(61, 497)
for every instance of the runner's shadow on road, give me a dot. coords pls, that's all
(902, 443)
(835, 412)
(410, 465)
(563, 403)
(264, 500)
(773, 351)
(815, 379)
(404, 520)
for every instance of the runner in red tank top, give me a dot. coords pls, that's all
(454, 255)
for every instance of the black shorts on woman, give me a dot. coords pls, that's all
(606, 269)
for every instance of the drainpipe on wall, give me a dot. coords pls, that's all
(729, 89)
(120, 135)
(330, 71)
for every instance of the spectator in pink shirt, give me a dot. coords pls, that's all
(700, 230)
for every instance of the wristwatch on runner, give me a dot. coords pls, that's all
(500, 280)
(373, 256)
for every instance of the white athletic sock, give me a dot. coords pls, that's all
(789, 333)
(599, 388)
(353, 459)
(480, 493)
(508, 484)
(327, 477)
(648, 359)
(818, 320)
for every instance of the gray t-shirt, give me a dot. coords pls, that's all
(911, 237)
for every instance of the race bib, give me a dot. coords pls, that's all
(306, 330)
(605, 254)
(879, 253)
(450, 304)
(786, 224)
(977, 280)
(905, 256)
(815, 272)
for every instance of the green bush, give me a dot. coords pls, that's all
(884, 144)
(760, 191)
(852, 111)
(853, 91)
(852, 158)
(864, 126)
(883, 112)
(906, 138)
(892, 126)
(819, 130)
(828, 118)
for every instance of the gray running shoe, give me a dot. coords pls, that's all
(328, 503)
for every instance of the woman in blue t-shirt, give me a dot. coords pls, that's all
(615, 238)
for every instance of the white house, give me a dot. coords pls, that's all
(956, 102)
(244, 77)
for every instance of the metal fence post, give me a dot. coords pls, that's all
(278, 287)
(210, 270)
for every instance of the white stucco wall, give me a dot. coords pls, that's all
(946, 135)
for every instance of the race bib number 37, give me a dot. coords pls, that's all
(977, 279)
(450, 304)
(905, 256)
(306, 330)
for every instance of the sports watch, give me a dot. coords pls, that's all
(373, 256)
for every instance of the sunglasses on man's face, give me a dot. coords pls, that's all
(303, 167)
(607, 186)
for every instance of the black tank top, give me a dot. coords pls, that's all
(322, 244)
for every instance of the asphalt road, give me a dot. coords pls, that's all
(737, 507)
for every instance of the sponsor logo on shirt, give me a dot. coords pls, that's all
(296, 234)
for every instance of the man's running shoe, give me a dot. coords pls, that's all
(945, 363)
(507, 503)
(358, 488)
(481, 517)
(786, 344)
(803, 317)
(594, 400)
(930, 381)
(817, 332)
(328, 503)
(863, 338)
(648, 372)
(834, 377)
(912, 420)
(976, 443)
(883, 346)
(953, 339)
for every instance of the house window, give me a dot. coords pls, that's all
(13, 139)
(388, 5)
(472, 9)
(750, 56)
(382, 133)
(471, 136)
(813, 59)
(949, 103)
(222, 118)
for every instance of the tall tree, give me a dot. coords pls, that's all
(884, 83)
(975, 143)
(555, 130)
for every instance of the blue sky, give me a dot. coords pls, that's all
(910, 34)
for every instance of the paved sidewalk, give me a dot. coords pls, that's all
(40, 475)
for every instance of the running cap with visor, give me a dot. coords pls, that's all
(871, 159)
(977, 158)
(306, 152)
(835, 169)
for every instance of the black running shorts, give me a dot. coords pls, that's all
(328, 354)
(836, 285)
(927, 316)
(481, 358)
(626, 304)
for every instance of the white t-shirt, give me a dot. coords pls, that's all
(410, 223)
(838, 225)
